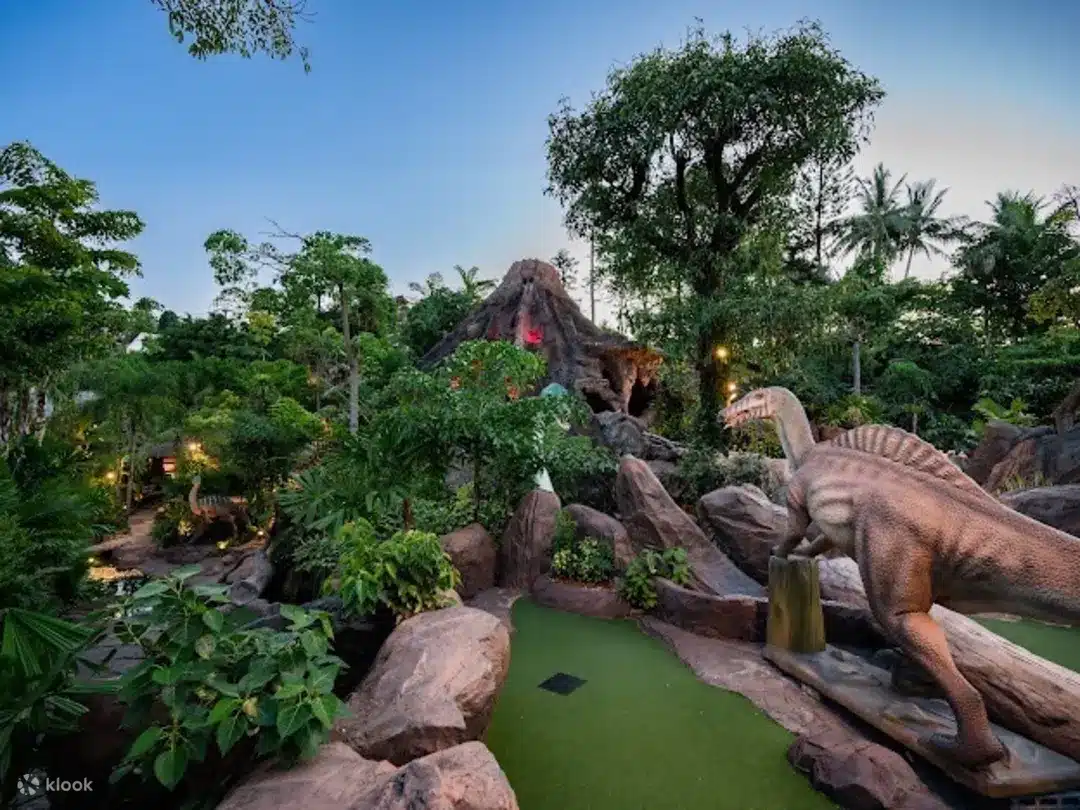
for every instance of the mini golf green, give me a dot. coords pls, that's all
(1058, 644)
(642, 732)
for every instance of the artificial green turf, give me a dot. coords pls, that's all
(1058, 644)
(642, 734)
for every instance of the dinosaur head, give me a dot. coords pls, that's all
(761, 404)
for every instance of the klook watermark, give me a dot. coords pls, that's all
(38, 784)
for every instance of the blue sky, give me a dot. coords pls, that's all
(422, 124)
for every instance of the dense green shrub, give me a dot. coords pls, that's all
(39, 690)
(701, 471)
(584, 559)
(49, 517)
(220, 683)
(636, 585)
(407, 573)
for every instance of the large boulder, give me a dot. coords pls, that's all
(1055, 506)
(653, 519)
(738, 617)
(600, 601)
(589, 522)
(859, 774)
(997, 440)
(433, 686)
(474, 555)
(526, 543)
(465, 777)
(745, 524)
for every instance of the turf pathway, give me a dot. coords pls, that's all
(642, 732)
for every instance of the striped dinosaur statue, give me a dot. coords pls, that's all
(921, 532)
(209, 508)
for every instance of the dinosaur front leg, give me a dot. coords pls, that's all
(819, 545)
(798, 520)
(975, 744)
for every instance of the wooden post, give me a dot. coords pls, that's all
(796, 620)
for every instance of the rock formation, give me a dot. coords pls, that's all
(532, 309)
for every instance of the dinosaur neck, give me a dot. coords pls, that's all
(193, 497)
(794, 430)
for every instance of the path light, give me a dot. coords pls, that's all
(732, 387)
(194, 447)
(722, 353)
(110, 476)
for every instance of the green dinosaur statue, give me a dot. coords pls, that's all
(921, 532)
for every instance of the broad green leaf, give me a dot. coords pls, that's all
(292, 718)
(144, 742)
(222, 709)
(214, 620)
(289, 690)
(230, 731)
(153, 588)
(321, 681)
(170, 765)
(186, 572)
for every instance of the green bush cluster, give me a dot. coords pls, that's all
(586, 560)
(703, 470)
(220, 683)
(407, 573)
(636, 585)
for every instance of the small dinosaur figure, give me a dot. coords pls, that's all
(216, 507)
(921, 532)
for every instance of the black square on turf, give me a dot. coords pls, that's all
(562, 684)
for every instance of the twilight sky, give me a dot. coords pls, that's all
(422, 124)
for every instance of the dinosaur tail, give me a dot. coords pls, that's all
(1041, 568)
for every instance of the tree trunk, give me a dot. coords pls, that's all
(819, 218)
(796, 619)
(131, 470)
(915, 422)
(592, 281)
(406, 514)
(856, 368)
(708, 386)
(1023, 692)
(354, 365)
(910, 256)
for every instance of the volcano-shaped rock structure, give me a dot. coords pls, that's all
(532, 309)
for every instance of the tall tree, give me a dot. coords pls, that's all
(922, 229)
(822, 193)
(61, 282)
(328, 266)
(473, 287)
(1022, 249)
(567, 267)
(243, 27)
(875, 230)
(685, 150)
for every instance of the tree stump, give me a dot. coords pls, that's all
(796, 619)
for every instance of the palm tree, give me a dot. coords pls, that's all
(431, 284)
(475, 289)
(922, 230)
(874, 232)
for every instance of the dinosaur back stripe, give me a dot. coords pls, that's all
(908, 449)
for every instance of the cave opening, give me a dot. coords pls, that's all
(641, 397)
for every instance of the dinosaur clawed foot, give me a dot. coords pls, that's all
(973, 755)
